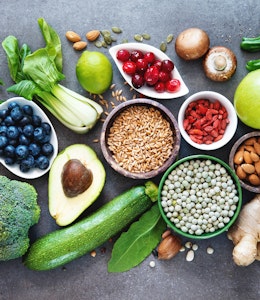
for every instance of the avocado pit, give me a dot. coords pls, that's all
(75, 178)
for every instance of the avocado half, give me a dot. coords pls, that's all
(66, 208)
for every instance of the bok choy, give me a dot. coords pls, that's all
(37, 76)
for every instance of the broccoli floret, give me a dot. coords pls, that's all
(18, 212)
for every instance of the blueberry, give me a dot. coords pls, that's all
(39, 134)
(47, 127)
(27, 163)
(3, 141)
(47, 149)
(10, 160)
(12, 132)
(23, 140)
(9, 151)
(27, 109)
(12, 104)
(4, 113)
(16, 113)
(25, 121)
(42, 162)
(3, 130)
(28, 130)
(34, 149)
(36, 120)
(21, 151)
(8, 121)
(13, 142)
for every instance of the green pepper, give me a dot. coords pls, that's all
(252, 65)
(250, 44)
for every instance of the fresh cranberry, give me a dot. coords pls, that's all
(151, 75)
(141, 65)
(123, 55)
(172, 85)
(136, 54)
(138, 80)
(158, 64)
(167, 65)
(164, 76)
(160, 87)
(149, 57)
(129, 67)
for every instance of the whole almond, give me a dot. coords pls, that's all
(257, 148)
(241, 174)
(248, 168)
(79, 45)
(73, 36)
(92, 35)
(254, 179)
(239, 157)
(250, 148)
(247, 157)
(254, 156)
(250, 141)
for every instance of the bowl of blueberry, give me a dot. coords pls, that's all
(28, 141)
(148, 70)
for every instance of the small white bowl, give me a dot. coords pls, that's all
(34, 172)
(145, 90)
(230, 129)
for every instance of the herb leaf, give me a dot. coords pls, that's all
(134, 245)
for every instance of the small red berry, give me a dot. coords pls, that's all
(172, 85)
(158, 64)
(164, 76)
(160, 87)
(149, 57)
(138, 80)
(129, 67)
(167, 65)
(135, 55)
(123, 55)
(151, 75)
(141, 65)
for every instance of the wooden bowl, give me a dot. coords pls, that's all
(245, 184)
(109, 122)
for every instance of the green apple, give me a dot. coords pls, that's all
(247, 99)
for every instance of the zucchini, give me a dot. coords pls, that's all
(64, 245)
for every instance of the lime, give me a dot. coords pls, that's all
(247, 99)
(94, 72)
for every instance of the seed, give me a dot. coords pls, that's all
(108, 39)
(98, 44)
(104, 44)
(163, 47)
(72, 36)
(105, 32)
(146, 36)
(79, 45)
(190, 255)
(116, 29)
(124, 41)
(210, 250)
(169, 38)
(138, 37)
(152, 264)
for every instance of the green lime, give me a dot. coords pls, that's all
(247, 99)
(94, 72)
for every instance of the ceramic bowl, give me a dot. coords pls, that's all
(145, 90)
(192, 189)
(239, 144)
(125, 171)
(33, 172)
(230, 128)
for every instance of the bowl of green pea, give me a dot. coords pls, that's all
(200, 196)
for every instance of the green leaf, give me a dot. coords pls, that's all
(134, 245)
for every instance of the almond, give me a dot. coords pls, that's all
(257, 167)
(254, 179)
(247, 157)
(257, 148)
(92, 35)
(239, 157)
(79, 45)
(248, 168)
(72, 36)
(250, 141)
(254, 156)
(241, 174)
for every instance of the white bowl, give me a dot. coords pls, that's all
(145, 90)
(34, 172)
(230, 129)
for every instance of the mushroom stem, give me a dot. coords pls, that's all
(220, 63)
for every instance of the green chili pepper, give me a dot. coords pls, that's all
(250, 44)
(252, 65)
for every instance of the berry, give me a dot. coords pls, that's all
(28, 130)
(123, 55)
(167, 65)
(42, 162)
(135, 55)
(27, 109)
(138, 80)
(160, 87)
(141, 65)
(158, 64)
(164, 76)
(149, 57)
(47, 149)
(12, 132)
(172, 85)
(16, 114)
(129, 67)
(151, 75)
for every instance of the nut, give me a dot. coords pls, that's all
(239, 157)
(254, 179)
(241, 173)
(249, 169)
(257, 148)
(72, 36)
(257, 167)
(169, 247)
(79, 45)
(92, 35)
(247, 157)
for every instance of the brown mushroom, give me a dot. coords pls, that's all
(220, 63)
(192, 43)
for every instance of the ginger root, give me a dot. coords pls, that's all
(245, 234)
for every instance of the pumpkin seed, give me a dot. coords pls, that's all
(108, 39)
(138, 37)
(146, 36)
(104, 44)
(169, 38)
(116, 29)
(105, 32)
(98, 44)
(124, 41)
(163, 47)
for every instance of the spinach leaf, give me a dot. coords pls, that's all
(134, 245)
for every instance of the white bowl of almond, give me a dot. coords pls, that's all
(140, 138)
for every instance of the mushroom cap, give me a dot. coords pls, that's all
(220, 63)
(192, 43)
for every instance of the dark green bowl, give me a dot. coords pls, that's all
(205, 235)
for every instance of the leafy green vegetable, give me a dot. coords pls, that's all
(134, 245)
(37, 75)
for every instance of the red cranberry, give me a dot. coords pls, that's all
(164, 76)
(160, 87)
(138, 80)
(167, 65)
(151, 75)
(149, 57)
(141, 65)
(136, 54)
(123, 55)
(158, 64)
(172, 85)
(129, 67)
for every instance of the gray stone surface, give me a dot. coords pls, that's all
(207, 276)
